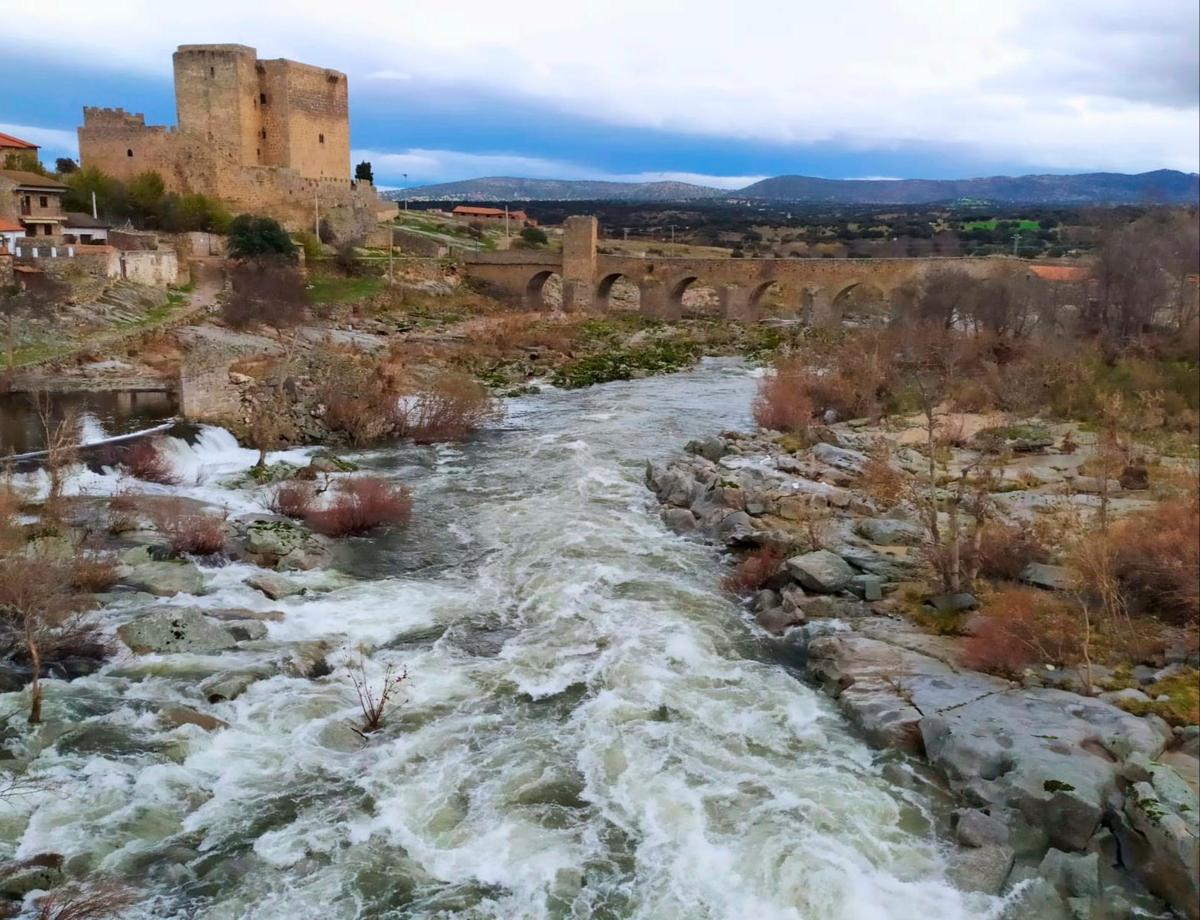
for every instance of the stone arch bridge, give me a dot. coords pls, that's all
(814, 288)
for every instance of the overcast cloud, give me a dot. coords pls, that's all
(1062, 85)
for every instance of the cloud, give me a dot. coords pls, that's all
(427, 167)
(52, 139)
(1097, 84)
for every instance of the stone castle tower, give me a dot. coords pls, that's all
(265, 136)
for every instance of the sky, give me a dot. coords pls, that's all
(718, 92)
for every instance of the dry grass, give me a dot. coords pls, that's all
(882, 481)
(85, 902)
(360, 505)
(147, 460)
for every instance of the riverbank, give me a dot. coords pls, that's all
(1071, 804)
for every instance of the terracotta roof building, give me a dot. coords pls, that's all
(1061, 272)
(466, 210)
(34, 200)
(16, 150)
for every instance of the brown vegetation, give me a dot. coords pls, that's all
(93, 574)
(360, 504)
(147, 459)
(93, 901)
(1004, 550)
(374, 704)
(448, 408)
(293, 498)
(189, 530)
(1022, 628)
(782, 402)
(754, 571)
(1155, 559)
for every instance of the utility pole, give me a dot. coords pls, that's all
(672, 234)
(1016, 239)
(626, 237)
(95, 216)
(506, 224)
(391, 252)
(406, 191)
(317, 216)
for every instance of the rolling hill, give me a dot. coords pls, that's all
(1162, 186)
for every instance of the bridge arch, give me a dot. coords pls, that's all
(693, 295)
(617, 291)
(544, 290)
(860, 298)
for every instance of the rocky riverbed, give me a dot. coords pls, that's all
(1067, 804)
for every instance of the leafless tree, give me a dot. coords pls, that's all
(372, 702)
(89, 901)
(62, 437)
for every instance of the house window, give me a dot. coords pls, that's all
(128, 153)
(321, 138)
(43, 201)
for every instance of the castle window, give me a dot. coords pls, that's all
(262, 97)
(321, 138)
(128, 153)
(212, 71)
(264, 133)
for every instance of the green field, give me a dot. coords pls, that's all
(1023, 225)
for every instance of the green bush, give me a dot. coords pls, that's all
(252, 236)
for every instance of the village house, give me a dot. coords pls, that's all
(17, 153)
(494, 214)
(83, 228)
(10, 232)
(33, 200)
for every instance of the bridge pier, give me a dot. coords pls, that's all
(736, 305)
(655, 303)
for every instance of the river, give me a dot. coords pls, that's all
(589, 728)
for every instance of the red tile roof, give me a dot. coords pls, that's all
(469, 211)
(10, 226)
(1061, 272)
(7, 140)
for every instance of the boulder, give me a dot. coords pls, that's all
(868, 587)
(889, 532)
(175, 716)
(777, 620)
(946, 604)
(165, 579)
(35, 873)
(247, 630)
(974, 828)
(820, 571)
(1049, 577)
(229, 685)
(984, 868)
(1074, 875)
(840, 458)
(171, 630)
(679, 520)
(1159, 834)
(1090, 485)
(274, 586)
(710, 448)
(1135, 478)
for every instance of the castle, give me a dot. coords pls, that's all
(266, 137)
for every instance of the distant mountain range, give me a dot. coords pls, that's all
(1162, 186)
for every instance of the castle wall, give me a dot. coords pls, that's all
(269, 137)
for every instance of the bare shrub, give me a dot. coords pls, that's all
(782, 402)
(268, 292)
(189, 530)
(1004, 550)
(448, 409)
(374, 704)
(93, 574)
(359, 505)
(882, 481)
(293, 498)
(40, 616)
(1021, 628)
(62, 437)
(753, 571)
(122, 511)
(93, 901)
(147, 459)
